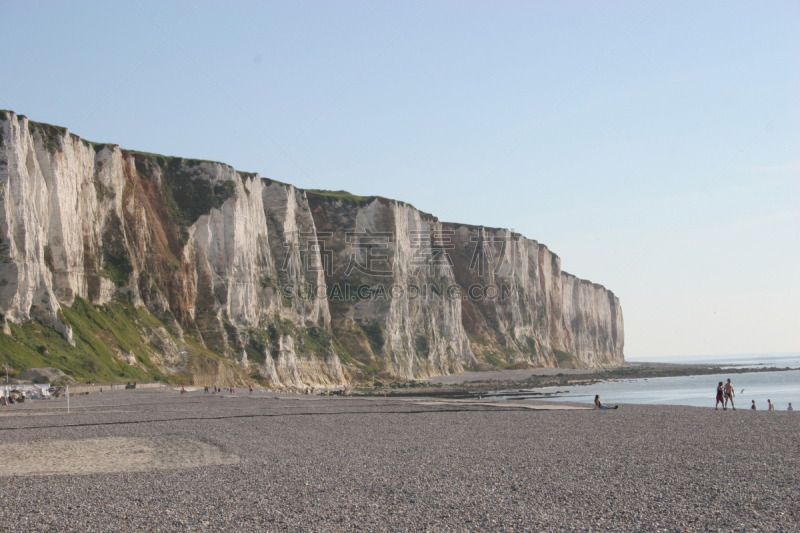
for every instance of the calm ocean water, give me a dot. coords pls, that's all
(781, 387)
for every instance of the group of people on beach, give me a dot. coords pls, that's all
(11, 399)
(725, 393)
(218, 390)
(770, 406)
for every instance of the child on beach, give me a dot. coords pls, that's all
(600, 405)
(770, 406)
(753, 405)
(719, 397)
(790, 408)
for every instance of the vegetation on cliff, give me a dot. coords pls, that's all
(102, 335)
(188, 193)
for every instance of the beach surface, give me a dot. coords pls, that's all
(162, 461)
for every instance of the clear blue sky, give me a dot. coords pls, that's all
(655, 146)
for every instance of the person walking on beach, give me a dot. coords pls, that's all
(753, 405)
(728, 389)
(600, 405)
(719, 397)
(770, 406)
(790, 408)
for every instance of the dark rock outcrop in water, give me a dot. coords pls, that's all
(162, 266)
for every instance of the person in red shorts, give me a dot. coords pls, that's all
(720, 398)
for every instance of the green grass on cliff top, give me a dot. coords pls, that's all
(350, 198)
(50, 130)
(343, 196)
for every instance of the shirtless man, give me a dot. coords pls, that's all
(728, 389)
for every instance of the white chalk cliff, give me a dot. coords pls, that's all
(247, 278)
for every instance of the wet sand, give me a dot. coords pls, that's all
(142, 460)
(502, 375)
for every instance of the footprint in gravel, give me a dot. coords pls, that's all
(110, 454)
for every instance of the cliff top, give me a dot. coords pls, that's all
(49, 133)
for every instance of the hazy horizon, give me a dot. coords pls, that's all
(756, 356)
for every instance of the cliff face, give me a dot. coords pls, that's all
(524, 307)
(226, 276)
(388, 288)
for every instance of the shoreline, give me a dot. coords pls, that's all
(460, 386)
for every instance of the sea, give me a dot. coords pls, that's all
(782, 386)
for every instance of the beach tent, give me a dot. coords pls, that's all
(43, 390)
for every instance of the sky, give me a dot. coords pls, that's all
(654, 146)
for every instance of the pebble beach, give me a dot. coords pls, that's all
(162, 461)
